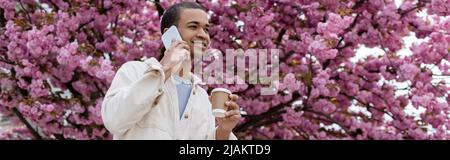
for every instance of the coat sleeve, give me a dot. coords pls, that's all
(131, 95)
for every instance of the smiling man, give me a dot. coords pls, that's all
(150, 100)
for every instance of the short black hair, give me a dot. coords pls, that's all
(172, 15)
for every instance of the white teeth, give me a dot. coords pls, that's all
(203, 43)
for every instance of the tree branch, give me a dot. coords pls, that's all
(28, 125)
(7, 61)
(345, 128)
(2, 18)
(84, 24)
(159, 8)
(280, 36)
(25, 10)
(419, 5)
(253, 120)
(348, 29)
(54, 5)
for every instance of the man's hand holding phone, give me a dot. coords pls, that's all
(177, 51)
(174, 57)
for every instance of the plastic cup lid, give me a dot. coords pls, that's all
(218, 113)
(221, 90)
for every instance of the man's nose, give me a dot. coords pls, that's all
(202, 34)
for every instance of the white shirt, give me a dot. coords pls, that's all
(184, 88)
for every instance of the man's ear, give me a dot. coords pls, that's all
(165, 29)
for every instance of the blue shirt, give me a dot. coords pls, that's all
(184, 88)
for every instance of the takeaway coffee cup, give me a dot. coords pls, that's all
(218, 98)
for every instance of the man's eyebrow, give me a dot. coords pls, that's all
(197, 23)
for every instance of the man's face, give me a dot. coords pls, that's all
(193, 26)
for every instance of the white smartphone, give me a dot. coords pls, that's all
(171, 33)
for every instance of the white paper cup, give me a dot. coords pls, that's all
(218, 98)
